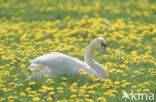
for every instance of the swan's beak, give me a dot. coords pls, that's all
(104, 49)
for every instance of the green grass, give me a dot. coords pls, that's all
(37, 20)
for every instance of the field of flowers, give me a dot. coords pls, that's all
(30, 28)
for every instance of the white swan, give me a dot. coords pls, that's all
(61, 63)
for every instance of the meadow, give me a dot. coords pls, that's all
(30, 28)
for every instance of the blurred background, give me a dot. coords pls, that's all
(37, 10)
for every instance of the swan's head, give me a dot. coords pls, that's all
(101, 43)
(37, 67)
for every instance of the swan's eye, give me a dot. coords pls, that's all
(103, 44)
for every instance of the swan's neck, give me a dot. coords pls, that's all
(88, 54)
(101, 71)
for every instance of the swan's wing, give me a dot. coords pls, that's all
(56, 59)
(48, 58)
(42, 59)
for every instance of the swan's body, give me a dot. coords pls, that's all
(61, 63)
(64, 64)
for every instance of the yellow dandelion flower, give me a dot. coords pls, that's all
(112, 95)
(134, 86)
(48, 81)
(73, 96)
(12, 83)
(28, 89)
(59, 88)
(22, 94)
(117, 83)
(2, 99)
(91, 92)
(64, 83)
(81, 94)
(146, 90)
(119, 71)
(51, 93)
(32, 83)
(36, 99)
(49, 98)
(84, 73)
(101, 99)
(64, 78)
(81, 70)
(88, 100)
(74, 84)
(74, 90)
